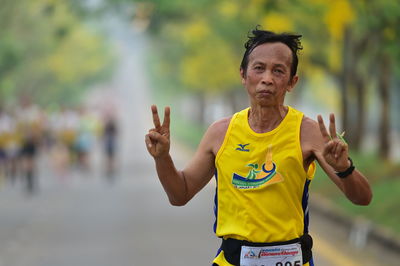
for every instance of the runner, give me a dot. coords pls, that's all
(29, 126)
(4, 133)
(263, 158)
(67, 129)
(10, 145)
(84, 138)
(110, 137)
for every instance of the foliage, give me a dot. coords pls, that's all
(47, 52)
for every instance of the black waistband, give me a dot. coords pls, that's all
(232, 247)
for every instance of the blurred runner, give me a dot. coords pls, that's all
(67, 128)
(4, 131)
(59, 151)
(10, 143)
(110, 135)
(29, 125)
(84, 138)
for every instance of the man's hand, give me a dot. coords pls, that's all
(158, 138)
(335, 150)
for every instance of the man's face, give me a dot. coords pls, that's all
(267, 78)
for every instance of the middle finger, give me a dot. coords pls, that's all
(332, 126)
(166, 121)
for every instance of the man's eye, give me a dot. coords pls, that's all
(258, 67)
(278, 71)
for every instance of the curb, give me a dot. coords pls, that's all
(361, 230)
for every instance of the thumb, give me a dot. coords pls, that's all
(148, 141)
(157, 137)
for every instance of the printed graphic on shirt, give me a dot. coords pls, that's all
(265, 175)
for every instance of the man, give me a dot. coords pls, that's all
(263, 160)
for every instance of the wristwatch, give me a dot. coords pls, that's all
(348, 171)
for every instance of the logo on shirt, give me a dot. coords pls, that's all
(266, 174)
(242, 147)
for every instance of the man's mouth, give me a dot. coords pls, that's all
(264, 93)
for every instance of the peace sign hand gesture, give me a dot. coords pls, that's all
(335, 151)
(158, 138)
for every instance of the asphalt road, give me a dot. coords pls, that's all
(86, 220)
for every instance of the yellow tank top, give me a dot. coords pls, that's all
(262, 187)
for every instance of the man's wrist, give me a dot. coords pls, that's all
(348, 171)
(162, 157)
(344, 168)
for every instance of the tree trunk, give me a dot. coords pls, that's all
(359, 82)
(383, 88)
(344, 81)
(361, 114)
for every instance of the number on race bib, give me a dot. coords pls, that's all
(288, 263)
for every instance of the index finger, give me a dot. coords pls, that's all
(166, 121)
(156, 118)
(323, 130)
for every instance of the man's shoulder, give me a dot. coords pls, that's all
(308, 124)
(309, 131)
(215, 134)
(220, 126)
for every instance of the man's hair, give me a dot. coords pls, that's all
(258, 37)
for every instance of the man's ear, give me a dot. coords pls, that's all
(292, 83)
(243, 76)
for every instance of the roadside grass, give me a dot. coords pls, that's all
(385, 181)
(382, 209)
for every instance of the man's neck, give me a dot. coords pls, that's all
(266, 118)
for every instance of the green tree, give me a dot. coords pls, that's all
(47, 51)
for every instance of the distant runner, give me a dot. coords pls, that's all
(263, 159)
(30, 127)
(110, 136)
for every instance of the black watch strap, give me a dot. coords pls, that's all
(348, 171)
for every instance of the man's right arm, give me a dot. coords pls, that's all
(181, 186)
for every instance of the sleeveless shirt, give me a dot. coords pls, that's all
(262, 187)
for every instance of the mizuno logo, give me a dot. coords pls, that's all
(242, 147)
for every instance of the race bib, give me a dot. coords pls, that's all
(285, 255)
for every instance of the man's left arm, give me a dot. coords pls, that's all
(331, 152)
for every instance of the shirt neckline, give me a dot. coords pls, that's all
(281, 124)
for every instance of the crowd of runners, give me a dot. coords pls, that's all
(66, 135)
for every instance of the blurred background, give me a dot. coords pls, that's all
(77, 79)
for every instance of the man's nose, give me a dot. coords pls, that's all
(267, 77)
